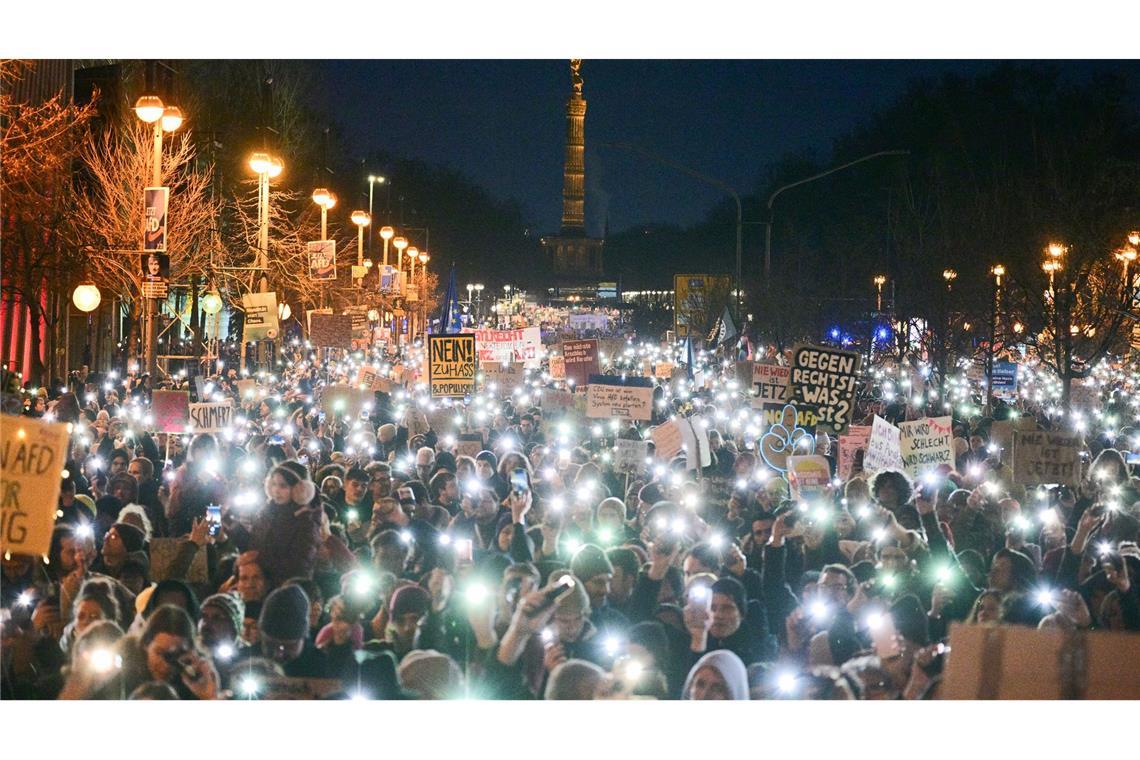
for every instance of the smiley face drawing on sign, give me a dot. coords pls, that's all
(784, 439)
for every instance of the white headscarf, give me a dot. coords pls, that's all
(731, 669)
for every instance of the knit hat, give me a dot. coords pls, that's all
(410, 599)
(285, 614)
(735, 589)
(231, 605)
(297, 476)
(589, 562)
(488, 457)
(430, 674)
(910, 619)
(651, 635)
(133, 539)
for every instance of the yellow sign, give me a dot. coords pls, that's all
(451, 365)
(32, 458)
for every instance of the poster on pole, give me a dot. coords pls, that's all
(171, 411)
(608, 397)
(850, 443)
(322, 260)
(331, 330)
(1044, 457)
(451, 365)
(32, 458)
(156, 202)
(260, 317)
(770, 381)
(523, 345)
(581, 359)
(925, 444)
(698, 299)
(212, 417)
(824, 378)
(1004, 378)
(883, 452)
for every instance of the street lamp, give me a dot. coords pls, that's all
(386, 234)
(880, 280)
(949, 275)
(412, 253)
(361, 219)
(998, 271)
(372, 179)
(266, 167)
(86, 297)
(399, 243)
(326, 200)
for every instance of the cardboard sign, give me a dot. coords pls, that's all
(771, 383)
(344, 401)
(163, 552)
(32, 458)
(369, 378)
(925, 444)
(629, 456)
(451, 365)
(1083, 395)
(557, 368)
(1001, 435)
(773, 414)
(883, 452)
(260, 317)
(247, 388)
(285, 688)
(681, 435)
(506, 377)
(808, 476)
(553, 400)
(469, 445)
(856, 438)
(211, 417)
(664, 369)
(581, 357)
(1043, 457)
(608, 397)
(824, 378)
(523, 346)
(171, 411)
(667, 440)
(331, 330)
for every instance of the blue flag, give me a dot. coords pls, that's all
(450, 315)
(689, 360)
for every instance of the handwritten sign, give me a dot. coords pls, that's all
(883, 452)
(523, 346)
(344, 401)
(331, 330)
(506, 377)
(369, 378)
(247, 388)
(557, 368)
(855, 439)
(469, 445)
(824, 378)
(773, 414)
(667, 440)
(925, 444)
(211, 417)
(171, 410)
(629, 456)
(808, 476)
(451, 365)
(1043, 457)
(771, 383)
(32, 458)
(609, 397)
(581, 358)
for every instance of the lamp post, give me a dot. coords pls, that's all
(151, 110)
(266, 167)
(386, 234)
(424, 258)
(361, 219)
(372, 179)
(478, 302)
(326, 201)
(998, 271)
(880, 280)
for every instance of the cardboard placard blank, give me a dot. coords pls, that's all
(331, 330)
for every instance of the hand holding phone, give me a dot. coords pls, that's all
(214, 518)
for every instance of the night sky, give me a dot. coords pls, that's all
(502, 122)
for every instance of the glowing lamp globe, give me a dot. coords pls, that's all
(400, 243)
(259, 163)
(211, 303)
(149, 108)
(387, 233)
(171, 118)
(361, 218)
(412, 252)
(275, 166)
(321, 196)
(86, 297)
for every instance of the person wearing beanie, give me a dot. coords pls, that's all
(220, 623)
(725, 619)
(592, 567)
(407, 607)
(283, 629)
(286, 533)
(121, 540)
(429, 674)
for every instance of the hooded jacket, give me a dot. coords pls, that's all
(731, 669)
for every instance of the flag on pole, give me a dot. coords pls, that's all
(450, 315)
(689, 360)
(725, 329)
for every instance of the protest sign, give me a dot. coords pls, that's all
(925, 444)
(770, 381)
(785, 436)
(1001, 435)
(330, 330)
(344, 401)
(883, 451)
(553, 399)
(260, 317)
(855, 439)
(451, 365)
(629, 399)
(469, 445)
(247, 388)
(32, 458)
(211, 417)
(523, 345)
(773, 414)
(1004, 378)
(322, 259)
(1044, 457)
(506, 377)
(164, 551)
(667, 440)
(171, 411)
(361, 332)
(629, 456)
(663, 369)
(808, 476)
(1084, 395)
(824, 378)
(557, 368)
(581, 357)
(369, 378)
(292, 688)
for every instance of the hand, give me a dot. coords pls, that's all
(326, 529)
(46, 620)
(860, 600)
(780, 530)
(660, 562)
(1119, 578)
(697, 622)
(1086, 527)
(938, 599)
(481, 618)
(554, 656)
(200, 532)
(1072, 605)
(69, 586)
(519, 505)
(204, 683)
(797, 626)
(528, 617)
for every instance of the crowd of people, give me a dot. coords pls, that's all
(490, 548)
